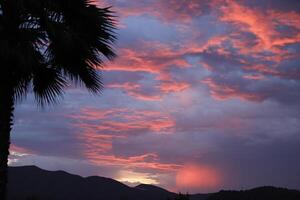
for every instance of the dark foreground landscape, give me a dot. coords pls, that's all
(33, 183)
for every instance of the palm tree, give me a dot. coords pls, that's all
(45, 45)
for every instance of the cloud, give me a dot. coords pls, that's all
(254, 46)
(136, 178)
(173, 86)
(287, 5)
(156, 59)
(17, 153)
(99, 129)
(19, 150)
(206, 89)
(169, 11)
(263, 25)
(223, 91)
(183, 10)
(123, 121)
(151, 57)
(138, 91)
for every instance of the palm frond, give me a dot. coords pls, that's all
(49, 42)
(48, 84)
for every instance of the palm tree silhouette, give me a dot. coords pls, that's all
(44, 46)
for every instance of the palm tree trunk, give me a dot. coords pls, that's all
(6, 122)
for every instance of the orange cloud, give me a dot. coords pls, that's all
(172, 86)
(145, 97)
(124, 120)
(273, 71)
(135, 90)
(254, 77)
(263, 69)
(20, 150)
(250, 20)
(182, 11)
(16, 153)
(148, 161)
(100, 127)
(93, 141)
(222, 91)
(262, 24)
(257, 35)
(155, 57)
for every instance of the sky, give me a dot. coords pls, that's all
(204, 95)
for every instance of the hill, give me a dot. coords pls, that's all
(261, 193)
(33, 183)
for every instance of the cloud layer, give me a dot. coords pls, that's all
(204, 95)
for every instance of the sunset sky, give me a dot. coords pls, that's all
(204, 95)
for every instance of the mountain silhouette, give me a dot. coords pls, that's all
(33, 183)
(261, 193)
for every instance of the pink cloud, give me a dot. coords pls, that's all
(122, 120)
(169, 11)
(154, 57)
(221, 91)
(148, 161)
(173, 86)
(254, 76)
(97, 142)
(274, 71)
(136, 90)
(100, 127)
(20, 150)
(262, 24)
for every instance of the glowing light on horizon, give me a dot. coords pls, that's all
(14, 157)
(131, 177)
(196, 176)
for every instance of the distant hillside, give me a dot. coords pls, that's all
(33, 183)
(261, 193)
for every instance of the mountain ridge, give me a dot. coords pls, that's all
(39, 184)
(32, 181)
